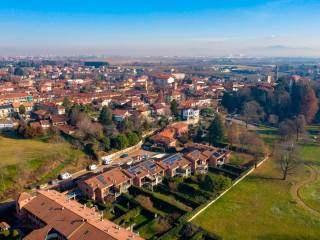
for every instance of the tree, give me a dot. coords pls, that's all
(309, 105)
(105, 117)
(252, 111)
(133, 138)
(22, 109)
(299, 125)
(174, 108)
(233, 134)
(18, 71)
(106, 143)
(216, 131)
(66, 103)
(287, 130)
(120, 142)
(287, 157)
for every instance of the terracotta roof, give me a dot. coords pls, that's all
(109, 178)
(72, 220)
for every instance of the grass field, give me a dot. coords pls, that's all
(262, 207)
(23, 161)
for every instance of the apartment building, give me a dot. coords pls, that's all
(106, 186)
(52, 215)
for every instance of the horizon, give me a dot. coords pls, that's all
(285, 28)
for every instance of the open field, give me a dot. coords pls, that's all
(263, 207)
(25, 161)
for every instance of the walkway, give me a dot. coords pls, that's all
(295, 189)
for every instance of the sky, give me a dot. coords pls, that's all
(213, 28)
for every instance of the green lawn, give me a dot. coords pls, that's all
(311, 192)
(23, 161)
(261, 206)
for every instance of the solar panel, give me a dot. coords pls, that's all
(135, 170)
(149, 165)
(170, 160)
(101, 179)
(216, 154)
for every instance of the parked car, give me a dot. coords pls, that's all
(92, 167)
(106, 161)
(124, 155)
(53, 182)
(65, 176)
(42, 186)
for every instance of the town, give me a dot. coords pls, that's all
(138, 149)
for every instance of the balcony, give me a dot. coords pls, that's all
(202, 168)
(183, 172)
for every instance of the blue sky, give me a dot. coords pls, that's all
(154, 27)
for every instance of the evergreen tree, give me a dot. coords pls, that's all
(216, 131)
(105, 117)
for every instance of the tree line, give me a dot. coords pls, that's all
(288, 100)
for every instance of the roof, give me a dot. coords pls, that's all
(109, 178)
(59, 118)
(120, 112)
(145, 168)
(174, 161)
(71, 219)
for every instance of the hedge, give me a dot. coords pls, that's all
(159, 202)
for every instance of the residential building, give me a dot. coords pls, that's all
(176, 165)
(106, 186)
(52, 215)
(147, 174)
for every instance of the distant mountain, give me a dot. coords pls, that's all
(282, 50)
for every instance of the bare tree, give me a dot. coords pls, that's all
(287, 157)
(252, 111)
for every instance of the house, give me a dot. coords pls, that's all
(147, 174)
(164, 79)
(44, 124)
(53, 215)
(165, 138)
(28, 106)
(41, 115)
(216, 156)
(4, 226)
(5, 110)
(180, 128)
(119, 115)
(159, 109)
(66, 129)
(15, 97)
(176, 165)
(199, 161)
(57, 120)
(106, 186)
(190, 113)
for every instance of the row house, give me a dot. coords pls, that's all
(53, 215)
(199, 161)
(147, 174)
(106, 186)
(216, 156)
(15, 97)
(176, 166)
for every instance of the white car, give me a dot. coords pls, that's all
(65, 176)
(106, 161)
(92, 167)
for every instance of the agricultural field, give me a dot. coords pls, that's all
(265, 207)
(25, 161)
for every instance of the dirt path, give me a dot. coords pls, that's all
(298, 186)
